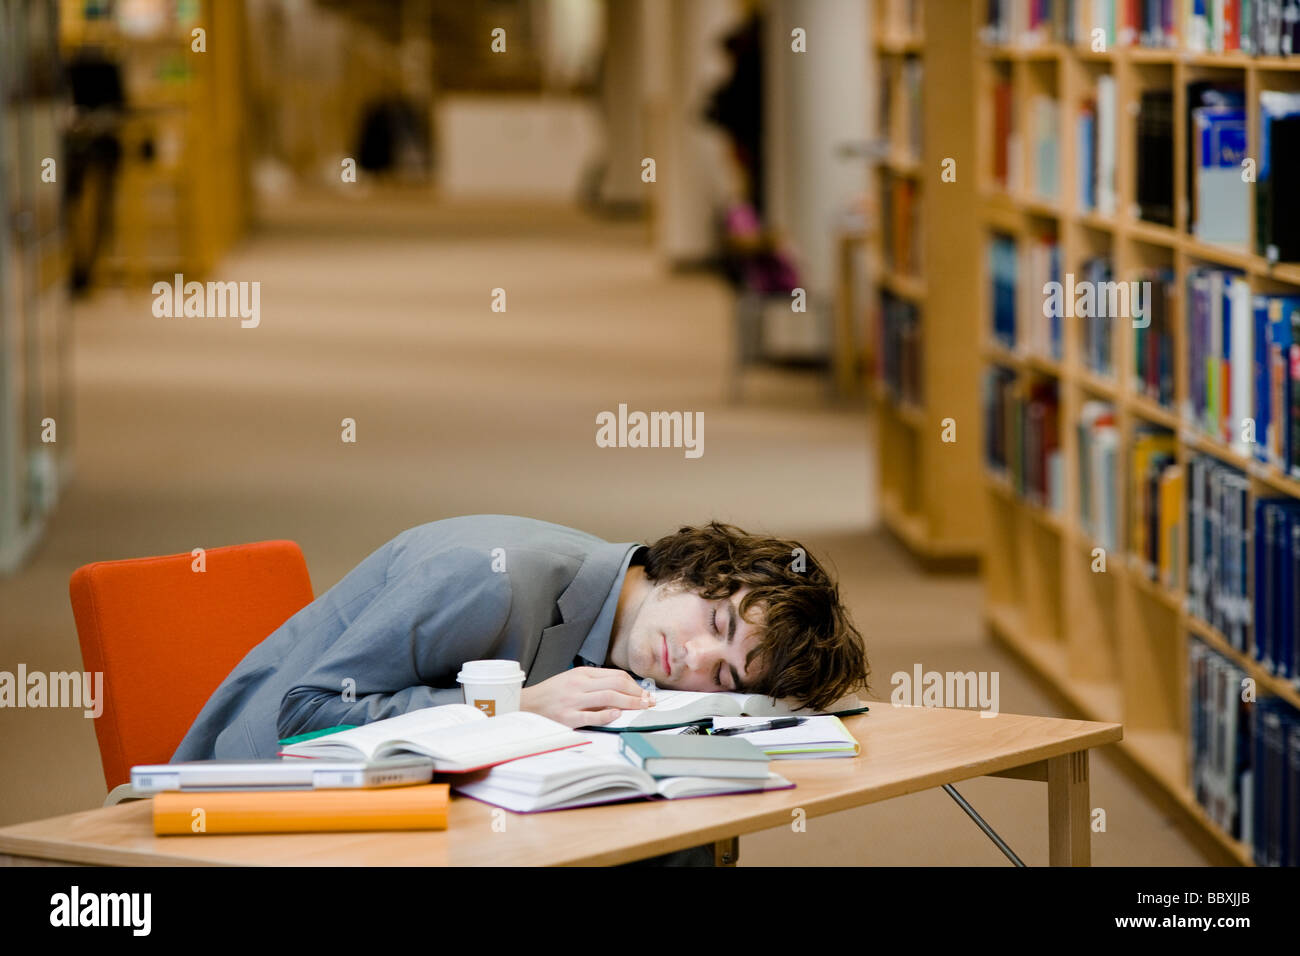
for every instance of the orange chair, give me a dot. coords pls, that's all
(165, 635)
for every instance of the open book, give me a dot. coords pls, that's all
(675, 707)
(593, 774)
(458, 737)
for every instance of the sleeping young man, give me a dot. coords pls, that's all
(705, 609)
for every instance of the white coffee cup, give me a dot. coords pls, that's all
(492, 686)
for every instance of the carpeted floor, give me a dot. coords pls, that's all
(196, 432)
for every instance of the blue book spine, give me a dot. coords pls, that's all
(1263, 396)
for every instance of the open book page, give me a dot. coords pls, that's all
(476, 743)
(676, 706)
(367, 737)
(672, 706)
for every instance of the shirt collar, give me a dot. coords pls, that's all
(595, 649)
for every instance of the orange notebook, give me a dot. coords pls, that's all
(421, 807)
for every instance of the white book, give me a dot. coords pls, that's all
(1243, 362)
(1106, 145)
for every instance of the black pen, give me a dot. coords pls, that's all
(779, 723)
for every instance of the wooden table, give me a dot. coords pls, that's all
(904, 749)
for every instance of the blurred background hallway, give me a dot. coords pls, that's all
(376, 306)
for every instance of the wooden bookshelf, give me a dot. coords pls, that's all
(183, 195)
(1112, 645)
(931, 490)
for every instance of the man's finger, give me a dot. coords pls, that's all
(596, 718)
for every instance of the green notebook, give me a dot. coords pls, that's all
(675, 755)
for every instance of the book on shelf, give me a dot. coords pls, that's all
(1002, 270)
(1006, 143)
(1275, 836)
(1258, 27)
(1220, 529)
(1153, 339)
(1219, 194)
(1096, 321)
(458, 738)
(913, 77)
(899, 349)
(900, 225)
(594, 774)
(1243, 758)
(1153, 455)
(1276, 345)
(1045, 140)
(1276, 574)
(1155, 157)
(1098, 465)
(1220, 748)
(1277, 197)
(1096, 149)
(1044, 334)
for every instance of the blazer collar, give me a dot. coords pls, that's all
(579, 605)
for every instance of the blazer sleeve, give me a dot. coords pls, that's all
(402, 649)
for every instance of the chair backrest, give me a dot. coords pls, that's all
(165, 634)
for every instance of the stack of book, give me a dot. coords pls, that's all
(1098, 446)
(1259, 27)
(1219, 529)
(1244, 758)
(1277, 586)
(1221, 735)
(1243, 363)
(1220, 355)
(1022, 437)
(1275, 834)
(1276, 392)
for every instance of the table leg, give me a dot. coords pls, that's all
(1068, 835)
(726, 852)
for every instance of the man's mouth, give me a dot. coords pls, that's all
(667, 667)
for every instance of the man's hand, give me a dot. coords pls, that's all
(585, 696)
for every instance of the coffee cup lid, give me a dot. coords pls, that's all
(490, 672)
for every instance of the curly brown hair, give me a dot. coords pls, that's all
(809, 649)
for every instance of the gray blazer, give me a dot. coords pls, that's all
(401, 623)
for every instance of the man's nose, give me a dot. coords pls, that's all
(697, 651)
